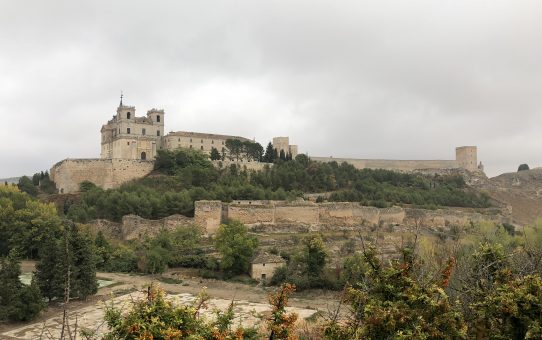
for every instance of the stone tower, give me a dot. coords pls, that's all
(466, 157)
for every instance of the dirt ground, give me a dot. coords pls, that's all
(304, 303)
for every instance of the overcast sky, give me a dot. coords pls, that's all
(367, 79)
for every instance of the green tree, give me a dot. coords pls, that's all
(523, 167)
(17, 301)
(26, 185)
(269, 156)
(236, 247)
(81, 245)
(314, 255)
(50, 270)
(215, 155)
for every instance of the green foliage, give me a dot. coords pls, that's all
(215, 155)
(269, 156)
(236, 247)
(72, 253)
(17, 301)
(24, 222)
(390, 303)
(26, 185)
(523, 167)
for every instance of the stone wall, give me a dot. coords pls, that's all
(105, 173)
(327, 216)
(133, 227)
(387, 164)
(244, 165)
(208, 214)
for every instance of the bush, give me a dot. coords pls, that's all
(523, 167)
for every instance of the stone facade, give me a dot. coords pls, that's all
(203, 142)
(105, 173)
(263, 266)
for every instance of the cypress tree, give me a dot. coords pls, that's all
(49, 274)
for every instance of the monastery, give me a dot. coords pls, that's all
(129, 145)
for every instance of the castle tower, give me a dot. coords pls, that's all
(467, 157)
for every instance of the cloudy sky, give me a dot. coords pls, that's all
(368, 79)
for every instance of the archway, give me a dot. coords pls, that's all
(143, 156)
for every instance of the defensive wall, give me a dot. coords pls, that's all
(210, 214)
(105, 173)
(133, 227)
(282, 216)
(388, 164)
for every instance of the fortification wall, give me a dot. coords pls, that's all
(208, 214)
(335, 214)
(387, 164)
(256, 166)
(105, 173)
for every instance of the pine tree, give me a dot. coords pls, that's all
(269, 156)
(215, 155)
(83, 270)
(49, 273)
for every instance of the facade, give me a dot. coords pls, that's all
(264, 265)
(198, 141)
(126, 136)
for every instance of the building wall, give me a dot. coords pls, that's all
(105, 173)
(259, 269)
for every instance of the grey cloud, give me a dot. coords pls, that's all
(383, 79)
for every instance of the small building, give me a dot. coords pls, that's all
(264, 265)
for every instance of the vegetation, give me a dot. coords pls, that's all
(188, 175)
(40, 182)
(523, 167)
(236, 247)
(31, 229)
(17, 301)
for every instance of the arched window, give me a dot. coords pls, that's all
(128, 130)
(143, 156)
(202, 147)
(128, 115)
(158, 118)
(143, 131)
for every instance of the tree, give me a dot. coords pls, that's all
(50, 270)
(314, 255)
(17, 301)
(26, 185)
(236, 246)
(282, 155)
(83, 282)
(235, 148)
(281, 324)
(215, 155)
(269, 156)
(523, 167)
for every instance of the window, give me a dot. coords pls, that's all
(128, 115)
(128, 130)
(212, 142)
(143, 132)
(202, 141)
(158, 118)
(143, 156)
(202, 147)
(158, 133)
(263, 264)
(190, 146)
(190, 140)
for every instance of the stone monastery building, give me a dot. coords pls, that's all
(126, 136)
(129, 145)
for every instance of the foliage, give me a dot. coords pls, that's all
(68, 259)
(26, 185)
(236, 247)
(17, 301)
(281, 324)
(24, 222)
(390, 303)
(215, 155)
(40, 182)
(154, 317)
(523, 167)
